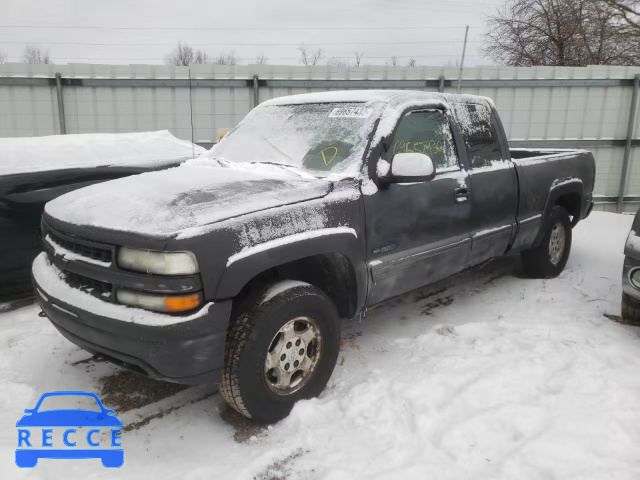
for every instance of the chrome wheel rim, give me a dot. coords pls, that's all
(293, 355)
(556, 243)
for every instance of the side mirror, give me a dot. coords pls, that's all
(411, 167)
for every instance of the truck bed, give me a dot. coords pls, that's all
(542, 173)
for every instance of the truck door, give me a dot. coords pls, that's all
(418, 233)
(493, 181)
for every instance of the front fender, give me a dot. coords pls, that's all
(250, 262)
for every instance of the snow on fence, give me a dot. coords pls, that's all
(542, 107)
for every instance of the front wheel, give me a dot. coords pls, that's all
(282, 346)
(549, 258)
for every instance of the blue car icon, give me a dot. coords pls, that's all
(28, 453)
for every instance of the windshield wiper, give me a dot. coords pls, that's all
(285, 166)
(275, 163)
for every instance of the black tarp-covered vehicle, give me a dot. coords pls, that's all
(631, 275)
(236, 267)
(35, 170)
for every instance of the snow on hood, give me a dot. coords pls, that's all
(87, 150)
(192, 195)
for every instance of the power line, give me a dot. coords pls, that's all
(252, 58)
(248, 44)
(76, 27)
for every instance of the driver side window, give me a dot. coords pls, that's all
(428, 132)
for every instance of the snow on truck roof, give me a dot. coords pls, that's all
(376, 96)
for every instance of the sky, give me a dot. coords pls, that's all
(144, 31)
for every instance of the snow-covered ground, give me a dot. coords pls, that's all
(486, 375)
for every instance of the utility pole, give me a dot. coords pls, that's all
(464, 51)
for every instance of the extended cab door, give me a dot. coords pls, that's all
(418, 233)
(493, 181)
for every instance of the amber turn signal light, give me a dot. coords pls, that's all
(182, 304)
(159, 303)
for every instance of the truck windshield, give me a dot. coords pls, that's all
(319, 137)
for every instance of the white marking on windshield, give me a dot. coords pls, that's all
(350, 112)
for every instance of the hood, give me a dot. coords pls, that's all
(167, 202)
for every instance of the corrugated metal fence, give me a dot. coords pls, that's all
(540, 107)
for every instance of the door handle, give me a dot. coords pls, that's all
(461, 195)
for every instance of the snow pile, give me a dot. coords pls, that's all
(87, 150)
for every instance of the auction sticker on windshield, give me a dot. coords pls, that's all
(350, 112)
(57, 428)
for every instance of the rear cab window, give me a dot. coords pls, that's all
(480, 134)
(428, 132)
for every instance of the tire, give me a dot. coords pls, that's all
(630, 310)
(260, 329)
(549, 258)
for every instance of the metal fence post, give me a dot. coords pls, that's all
(627, 145)
(256, 92)
(63, 125)
(441, 84)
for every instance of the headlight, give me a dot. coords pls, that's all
(159, 303)
(635, 278)
(161, 263)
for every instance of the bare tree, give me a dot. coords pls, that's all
(308, 57)
(33, 54)
(184, 55)
(261, 58)
(412, 62)
(225, 59)
(338, 62)
(3, 57)
(181, 56)
(393, 61)
(343, 62)
(628, 11)
(560, 32)
(201, 57)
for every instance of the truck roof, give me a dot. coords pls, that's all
(382, 96)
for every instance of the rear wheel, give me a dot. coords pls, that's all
(549, 258)
(282, 347)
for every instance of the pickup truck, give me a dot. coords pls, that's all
(237, 266)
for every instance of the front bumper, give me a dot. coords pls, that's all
(180, 349)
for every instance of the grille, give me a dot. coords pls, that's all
(89, 251)
(89, 285)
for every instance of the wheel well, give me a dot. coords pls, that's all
(332, 273)
(572, 202)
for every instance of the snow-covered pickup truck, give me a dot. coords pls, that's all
(237, 267)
